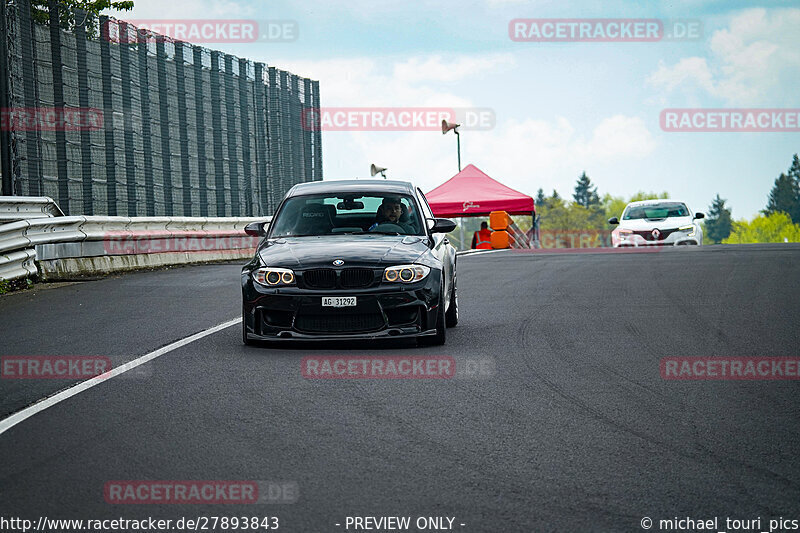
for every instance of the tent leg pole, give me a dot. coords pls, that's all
(461, 223)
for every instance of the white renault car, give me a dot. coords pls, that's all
(657, 223)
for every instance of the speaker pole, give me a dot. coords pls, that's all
(458, 142)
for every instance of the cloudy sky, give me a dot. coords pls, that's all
(561, 108)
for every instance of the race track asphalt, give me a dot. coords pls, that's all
(569, 425)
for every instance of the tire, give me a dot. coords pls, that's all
(451, 316)
(441, 328)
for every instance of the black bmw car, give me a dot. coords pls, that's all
(351, 259)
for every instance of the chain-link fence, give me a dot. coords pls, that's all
(154, 126)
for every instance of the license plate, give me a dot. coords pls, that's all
(338, 301)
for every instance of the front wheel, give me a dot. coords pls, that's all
(441, 329)
(451, 317)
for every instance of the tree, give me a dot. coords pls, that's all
(776, 227)
(540, 199)
(613, 206)
(555, 200)
(794, 175)
(585, 194)
(784, 197)
(718, 224)
(641, 195)
(40, 12)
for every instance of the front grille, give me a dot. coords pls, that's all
(648, 235)
(355, 278)
(338, 323)
(320, 278)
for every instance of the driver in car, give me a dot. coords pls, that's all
(391, 212)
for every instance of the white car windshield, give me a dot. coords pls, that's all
(656, 211)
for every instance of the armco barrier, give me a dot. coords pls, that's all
(26, 207)
(78, 246)
(18, 264)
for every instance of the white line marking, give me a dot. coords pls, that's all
(16, 418)
(480, 252)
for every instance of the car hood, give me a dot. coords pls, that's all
(354, 250)
(644, 224)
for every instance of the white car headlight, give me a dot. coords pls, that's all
(274, 277)
(691, 228)
(405, 273)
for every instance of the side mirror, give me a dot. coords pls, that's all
(255, 229)
(441, 225)
(699, 215)
(613, 221)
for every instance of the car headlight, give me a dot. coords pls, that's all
(691, 228)
(625, 232)
(405, 273)
(274, 277)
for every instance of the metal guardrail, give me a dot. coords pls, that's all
(14, 208)
(55, 238)
(19, 264)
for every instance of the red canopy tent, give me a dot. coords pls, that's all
(472, 192)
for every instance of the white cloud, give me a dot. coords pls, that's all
(415, 82)
(523, 153)
(437, 68)
(748, 61)
(693, 70)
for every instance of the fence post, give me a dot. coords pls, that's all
(183, 128)
(197, 55)
(33, 175)
(5, 103)
(147, 143)
(230, 124)
(127, 118)
(81, 20)
(216, 132)
(261, 155)
(163, 117)
(59, 103)
(108, 117)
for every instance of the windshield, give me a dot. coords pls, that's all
(656, 211)
(331, 214)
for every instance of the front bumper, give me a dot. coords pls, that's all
(673, 239)
(382, 311)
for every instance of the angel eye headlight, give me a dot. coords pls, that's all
(274, 277)
(406, 273)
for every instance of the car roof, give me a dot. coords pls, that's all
(345, 186)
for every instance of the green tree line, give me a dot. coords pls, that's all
(779, 221)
